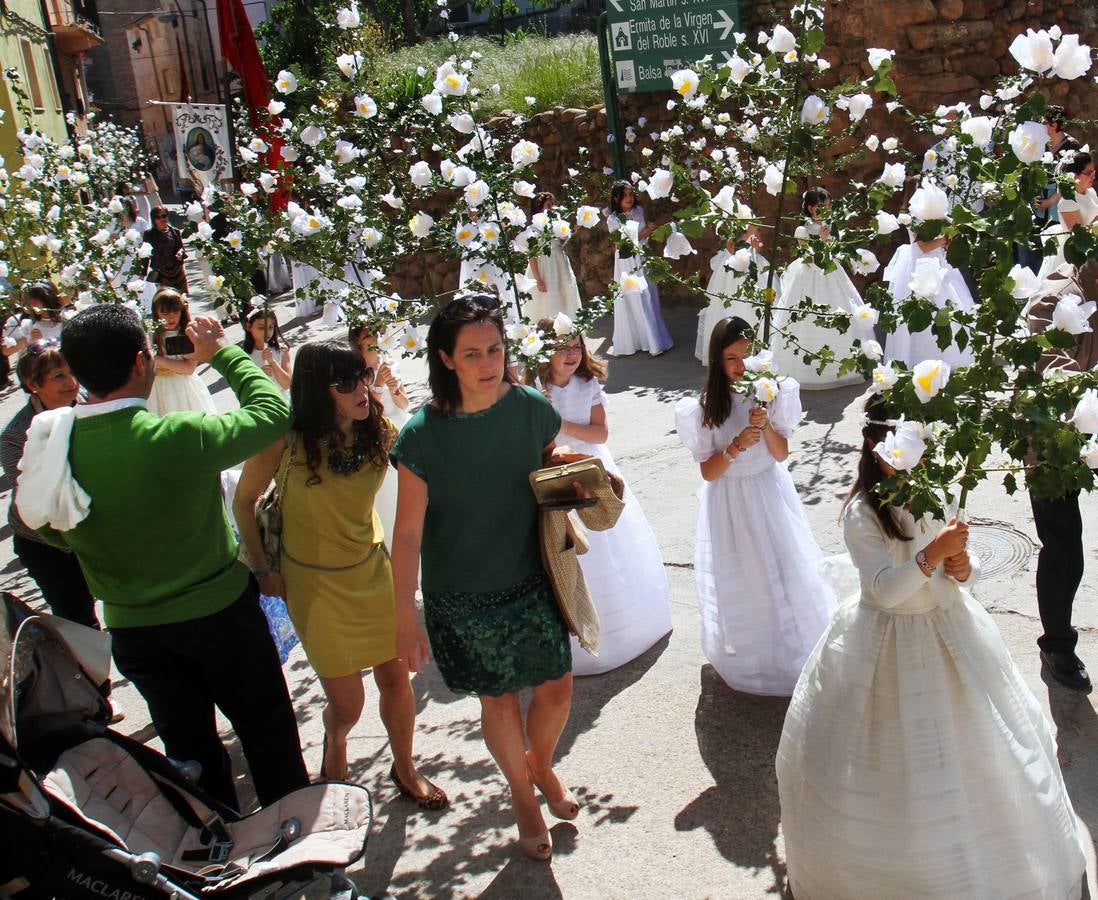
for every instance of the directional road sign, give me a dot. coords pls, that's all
(650, 39)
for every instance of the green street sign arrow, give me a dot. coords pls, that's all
(650, 39)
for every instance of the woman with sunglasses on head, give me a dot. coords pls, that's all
(465, 504)
(45, 376)
(166, 261)
(334, 572)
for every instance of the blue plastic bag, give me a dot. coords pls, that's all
(278, 621)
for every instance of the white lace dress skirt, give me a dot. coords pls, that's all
(912, 348)
(172, 392)
(915, 762)
(563, 292)
(725, 282)
(638, 321)
(626, 580)
(830, 289)
(301, 275)
(761, 594)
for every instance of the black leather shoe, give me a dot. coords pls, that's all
(1067, 669)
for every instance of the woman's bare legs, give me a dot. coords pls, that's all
(397, 706)
(346, 695)
(501, 722)
(545, 720)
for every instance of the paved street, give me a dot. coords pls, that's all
(674, 770)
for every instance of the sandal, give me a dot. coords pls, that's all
(566, 808)
(436, 798)
(539, 847)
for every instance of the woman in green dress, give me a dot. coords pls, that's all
(465, 506)
(334, 572)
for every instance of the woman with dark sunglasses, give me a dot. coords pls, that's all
(334, 572)
(45, 376)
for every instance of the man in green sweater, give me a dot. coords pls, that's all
(157, 548)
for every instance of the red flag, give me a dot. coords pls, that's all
(239, 50)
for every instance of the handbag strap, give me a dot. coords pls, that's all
(292, 450)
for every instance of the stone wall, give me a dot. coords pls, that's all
(946, 51)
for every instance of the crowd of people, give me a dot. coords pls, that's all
(910, 735)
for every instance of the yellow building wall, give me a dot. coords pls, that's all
(23, 38)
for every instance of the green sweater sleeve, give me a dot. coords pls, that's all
(262, 419)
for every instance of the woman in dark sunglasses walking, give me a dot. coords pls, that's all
(333, 569)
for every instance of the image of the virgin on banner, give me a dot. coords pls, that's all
(202, 143)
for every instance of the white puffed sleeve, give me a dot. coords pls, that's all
(699, 440)
(785, 409)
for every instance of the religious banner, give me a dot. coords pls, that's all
(202, 143)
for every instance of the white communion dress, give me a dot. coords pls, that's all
(257, 358)
(763, 600)
(834, 290)
(562, 295)
(1086, 205)
(724, 283)
(623, 568)
(172, 392)
(914, 761)
(911, 349)
(385, 501)
(638, 321)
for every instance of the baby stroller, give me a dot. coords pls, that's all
(87, 812)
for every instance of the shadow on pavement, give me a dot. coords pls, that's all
(738, 738)
(1077, 744)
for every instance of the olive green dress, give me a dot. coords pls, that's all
(491, 617)
(339, 584)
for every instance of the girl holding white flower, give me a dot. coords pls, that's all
(804, 280)
(914, 760)
(623, 567)
(556, 290)
(638, 322)
(762, 599)
(731, 267)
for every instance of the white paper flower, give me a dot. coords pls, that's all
(462, 123)
(766, 389)
(524, 153)
(489, 232)
(286, 82)
(677, 246)
(866, 264)
(476, 193)
(289, 153)
(872, 350)
(633, 283)
(350, 202)
(877, 56)
(411, 341)
(857, 106)
(459, 176)
(893, 175)
(345, 152)
(1072, 59)
(1073, 315)
(524, 189)
(1028, 141)
(365, 107)
(886, 223)
(235, 239)
(685, 83)
(739, 69)
(449, 81)
(420, 174)
(268, 182)
(660, 184)
(901, 449)
(309, 224)
(562, 231)
(773, 178)
(370, 237)
(863, 317)
(432, 102)
(144, 251)
(929, 377)
(814, 111)
(884, 378)
(348, 17)
(929, 203)
(420, 224)
(349, 63)
(763, 361)
(890, 144)
(740, 261)
(521, 243)
(872, 143)
(927, 276)
(587, 216)
(216, 283)
(562, 325)
(313, 135)
(391, 200)
(782, 41)
(1085, 417)
(979, 128)
(1025, 283)
(465, 233)
(725, 199)
(1033, 51)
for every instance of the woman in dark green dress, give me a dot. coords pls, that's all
(465, 505)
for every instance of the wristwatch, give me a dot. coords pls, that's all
(924, 564)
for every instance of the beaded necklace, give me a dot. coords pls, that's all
(347, 462)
